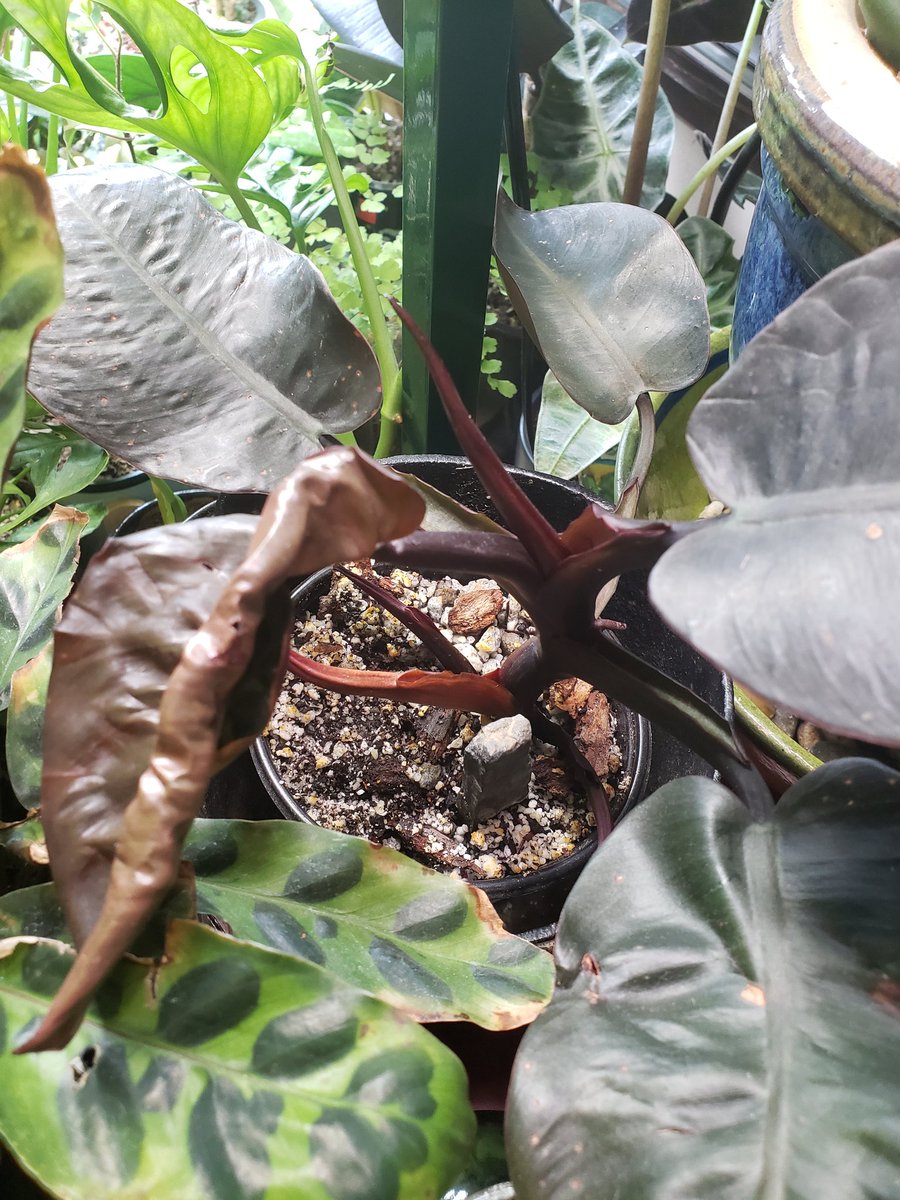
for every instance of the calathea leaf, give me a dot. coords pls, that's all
(610, 295)
(793, 592)
(725, 1017)
(217, 697)
(228, 1070)
(693, 20)
(583, 123)
(223, 375)
(426, 943)
(35, 578)
(31, 289)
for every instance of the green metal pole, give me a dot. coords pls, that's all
(456, 55)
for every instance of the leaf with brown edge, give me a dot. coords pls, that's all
(337, 506)
(468, 693)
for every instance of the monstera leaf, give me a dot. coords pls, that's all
(31, 273)
(227, 1070)
(116, 826)
(429, 944)
(194, 348)
(583, 124)
(214, 105)
(611, 296)
(794, 593)
(725, 1019)
(693, 20)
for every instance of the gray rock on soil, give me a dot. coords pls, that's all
(497, 764)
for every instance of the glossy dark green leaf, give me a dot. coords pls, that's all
(712, 249)
(30, 281)
(725, 1019)
(611, 296)
(217, 107)
(35, 578)
(222, 377)
(583, 123)
(114, 836)
(426, 943)
(227, 1072)
(794, 593)
(694, 20)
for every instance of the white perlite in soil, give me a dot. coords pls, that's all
(393, 772)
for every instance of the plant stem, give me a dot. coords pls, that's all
(709, 169)
(782, 747)
(247, 214)
(731, 101)
(646, 109)
(382, 343)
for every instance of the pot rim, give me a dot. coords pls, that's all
(827, 104)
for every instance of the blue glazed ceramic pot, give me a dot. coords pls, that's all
(827, 107)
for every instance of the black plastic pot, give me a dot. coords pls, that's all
(197, 501)
(531, 904)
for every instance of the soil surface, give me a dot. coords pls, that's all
(393, 773)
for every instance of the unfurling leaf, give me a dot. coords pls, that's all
(337, 506)
(792, 592)
(31, 281)
(222, 378)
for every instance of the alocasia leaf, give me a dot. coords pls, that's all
(693, 20)
(216, 107)
(712, 249)
(31, 281)
(567, 440)
(611, 296)
(35, 578)
(583, 123)
(228, 1071)
(200, 723)
(793, 591)
(725, 1017)
(25, 727)
(194, 348)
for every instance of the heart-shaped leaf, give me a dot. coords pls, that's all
(35, 577)
(31, 271)
(194, 348)
(215, 701)
(793, 592)
(693, 20)
(583, 123)
(215, 106)
(228, 1070)
(611, 296)
(567, 440)
(725, 1018)
(426, 943)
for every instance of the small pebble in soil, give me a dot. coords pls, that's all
(394, 773)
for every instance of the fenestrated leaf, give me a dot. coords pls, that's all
(31, 286)
(583, 123)
(216, 699)
(195, 348)
(426, 943)
(712, 249)
(228, 1072)
(567, 440)
(611, 296)
(693, 20)
(794, 592)
(35, 578)
(216, 107)
(725, 1018)
(25, 727)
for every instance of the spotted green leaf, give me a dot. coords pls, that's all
(215, 105)
(427, 943)
(31, 280)
(25, 727)
(35, 578)
(23, 841)
(228, 1072)
(57, 463)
